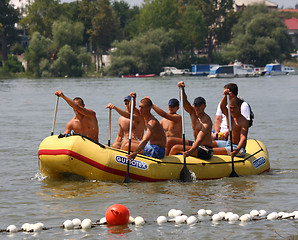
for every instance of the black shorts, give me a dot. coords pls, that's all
(205, 152)
(190, 143)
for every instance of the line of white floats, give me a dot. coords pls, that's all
(174, 215)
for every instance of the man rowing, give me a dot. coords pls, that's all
(202, 128)
(84, 121)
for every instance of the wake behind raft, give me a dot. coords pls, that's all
(62, 155)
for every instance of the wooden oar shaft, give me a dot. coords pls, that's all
(55, 115)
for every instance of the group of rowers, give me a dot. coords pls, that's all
(158, 139)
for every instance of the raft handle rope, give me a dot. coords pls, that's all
(159, 161)
(83, 137)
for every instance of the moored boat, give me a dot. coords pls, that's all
(232, 71)
(61, 156)
(279, 69)
(173, 71)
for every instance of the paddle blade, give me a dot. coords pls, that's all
(185, 175)
(127, 180)
(233, 174)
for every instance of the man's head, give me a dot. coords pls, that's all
(145, 106)
(233, 88)
(173, 105)
(199, 104)
(79, 101)
(126, 102)
(235, 106)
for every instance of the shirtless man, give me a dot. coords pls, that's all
(171, 122)
(138, 124)
(220, 122)
(123, 133)
(239, 129)
(202, 128)
(84, 121)
(154, 139)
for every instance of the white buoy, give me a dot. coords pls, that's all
(245, 218)
(68, 224)
(139, 221)
(25, 226)
(35, 227)
(254, 213)
(280, 214)
(102, 221)
(272, 216)
(171, 212)
(209, 212)
(227, 215)
(131, 220)
(191, 220)
(262, 213)
(286, 216)
(179, 219)
(161, 219)
(233, 218)
(202, 212)
(76, 222)
(86, 223)
(222, 214)
(178, 213)
(216, 217)
(12, 229)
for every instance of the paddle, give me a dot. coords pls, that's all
(52, 133)
(110, 120)
(233, 173)
(184, 174)
(127, 179)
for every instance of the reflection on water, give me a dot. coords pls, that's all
(73, 189)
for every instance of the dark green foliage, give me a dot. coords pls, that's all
(259, 37)
(13, 65)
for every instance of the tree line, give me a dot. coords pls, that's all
(64, 36)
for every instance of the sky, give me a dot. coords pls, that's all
(281, 3)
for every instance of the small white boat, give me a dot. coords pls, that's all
(232, 71)
(170, 71)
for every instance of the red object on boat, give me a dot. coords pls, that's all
(138, 76)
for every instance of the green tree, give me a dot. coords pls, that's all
(126, 16)
(39, 49)
(159, 14)
(41, 16)
(65, 32)
(193, 29)
(143, 54)
(215, 13)
(66, 64)
(259, 37)
(8, 17)
(102, 25)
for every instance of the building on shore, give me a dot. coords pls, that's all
(239, 4)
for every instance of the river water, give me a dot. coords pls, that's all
(27, 111)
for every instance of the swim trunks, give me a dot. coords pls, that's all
(205, 152)
(227, 145)
(154, 151)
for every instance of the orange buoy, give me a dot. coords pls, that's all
(117, 214)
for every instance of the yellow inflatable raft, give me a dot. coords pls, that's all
(61, 156)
